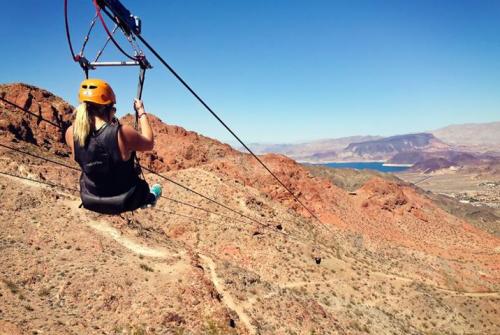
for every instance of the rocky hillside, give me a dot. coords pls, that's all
(384, 259)
(39, 103)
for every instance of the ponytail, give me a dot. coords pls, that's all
(83, 124)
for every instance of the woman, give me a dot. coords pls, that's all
(105, 150)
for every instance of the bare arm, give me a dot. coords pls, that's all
(69, 141)
(146, 130)
(130, 140)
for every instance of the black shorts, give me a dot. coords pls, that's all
(138, 196)
(141, 197)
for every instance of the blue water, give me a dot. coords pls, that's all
(367, 165)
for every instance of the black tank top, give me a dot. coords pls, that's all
(104, 173)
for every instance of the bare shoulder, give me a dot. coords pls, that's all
(69, 140)
(127, 133)
(68, 136)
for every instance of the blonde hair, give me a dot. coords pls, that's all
(83, 125)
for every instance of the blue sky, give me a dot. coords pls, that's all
(282, 71)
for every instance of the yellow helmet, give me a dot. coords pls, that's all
(97, 91)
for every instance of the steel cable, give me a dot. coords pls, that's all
(184, 83)
(222, 122)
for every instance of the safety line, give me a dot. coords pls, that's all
(200, 208)
(39, 181)
(39, 157)
(101, 18)
(200, 195)
(76, 169)
(99, 53)
(86, 38)
(172, 181)
(267, 227)
(143, 167)
(31, 113)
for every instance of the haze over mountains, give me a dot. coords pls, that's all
(453, 146)
(472, 138)
(385, 257)
(480, 137)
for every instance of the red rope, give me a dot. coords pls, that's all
(68, 37)
(98, 12)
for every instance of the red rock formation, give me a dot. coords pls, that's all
(385, 235)
(30, 128)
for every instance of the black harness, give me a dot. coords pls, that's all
(107, 183)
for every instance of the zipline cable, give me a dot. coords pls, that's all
(183, 82)
(200, 195)
(197, 251)
(199, 208)
(286, 235)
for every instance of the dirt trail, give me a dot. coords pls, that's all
(226, 297)
(136, 248)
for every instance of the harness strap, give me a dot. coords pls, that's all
(140, 86)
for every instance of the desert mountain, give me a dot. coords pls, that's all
(385, 148)
(322, 150)
(450, 141)
(478, 137)
(384, 259)
(429, 161)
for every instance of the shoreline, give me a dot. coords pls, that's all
(355, 162)
(337, 162)
(397, 165)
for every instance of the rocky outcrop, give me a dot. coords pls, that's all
(29, 127)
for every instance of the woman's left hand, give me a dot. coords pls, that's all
(139, 106)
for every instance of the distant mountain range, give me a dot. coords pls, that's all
(475, 137)
(321, 150)
(385, 148)
(399, 149)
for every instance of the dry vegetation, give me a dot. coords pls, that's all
(385, 259)
(70, 271)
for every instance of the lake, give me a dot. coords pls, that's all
(367, 165)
